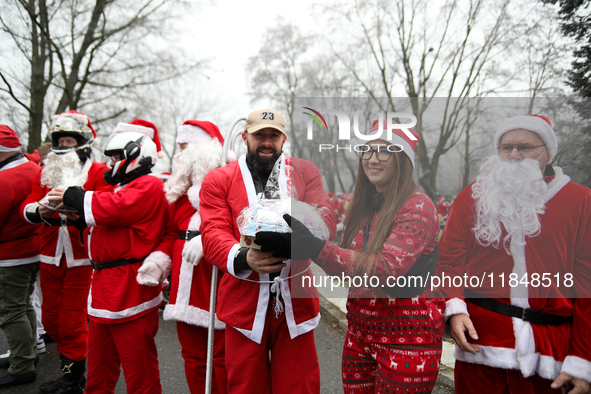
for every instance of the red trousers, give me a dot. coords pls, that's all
(193, 340)
(370, 367)
(292, 367)
(476, 378)
(130, 344)
(63, 312)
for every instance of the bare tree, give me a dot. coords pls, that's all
(82, 53)
(444, 53)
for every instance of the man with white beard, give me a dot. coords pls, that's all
(201, 152)
(523, 229)
(65, 268)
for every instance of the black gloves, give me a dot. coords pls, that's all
(280, 243)
(299, 245)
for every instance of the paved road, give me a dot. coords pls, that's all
(329, 342)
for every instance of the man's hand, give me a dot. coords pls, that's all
(45, 212)
(459, 324)
(565, 382)
(57, 194)
(263, 262)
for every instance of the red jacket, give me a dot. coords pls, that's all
(61, 240)
(127, 224)
(19, 240)
(242, 303)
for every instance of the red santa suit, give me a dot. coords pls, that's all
(244, 305)
(19, 241)
(562, 248)
(127, 224)
(189, 296)
(66, 271)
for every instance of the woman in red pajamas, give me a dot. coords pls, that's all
(393, 342)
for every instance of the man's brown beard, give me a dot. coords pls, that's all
(261, 164)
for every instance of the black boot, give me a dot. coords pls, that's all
(51, 387)
(54, 385)
(73, 374)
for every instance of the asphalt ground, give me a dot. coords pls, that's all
(329, 341)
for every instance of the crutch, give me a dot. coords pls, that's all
(230, 141)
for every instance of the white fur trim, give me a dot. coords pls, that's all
(531, 123)
(191, 315)
(181, 310)
(78, 118)
(88, 215)
(195, 221)
(162, 260)
(560, 180)
(455, 306)
(231, 156)
(8, 149)
(126, 127)
(32, 207)
(193, 195)
(230, 264)
(192, 134)
(134, 310)
(499, 357)
(577, 367)
(548, 368)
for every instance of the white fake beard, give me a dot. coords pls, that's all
(510, 193)
(190, 166)
(63, 170)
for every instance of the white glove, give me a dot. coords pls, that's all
(149, 274)
(193, 250)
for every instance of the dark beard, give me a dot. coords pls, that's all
(260, 164)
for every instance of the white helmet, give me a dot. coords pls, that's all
(135, 148)
(76, 125)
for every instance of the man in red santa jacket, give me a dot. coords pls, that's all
(19, 262)
(201, 151)
(127, 225)
(257, 285)
(525, 228)
(65, 268)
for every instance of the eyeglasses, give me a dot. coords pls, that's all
(521, 148)
(382, 154)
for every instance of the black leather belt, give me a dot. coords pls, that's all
(188, 235)
(61, 221)
(529, 315)
(112, 264)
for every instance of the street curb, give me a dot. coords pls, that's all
(446, 378)
(334, 315)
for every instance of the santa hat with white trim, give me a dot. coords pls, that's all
(144, 127)
(399, 137)
(9, 141)
(538, 124)
(201, 131)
